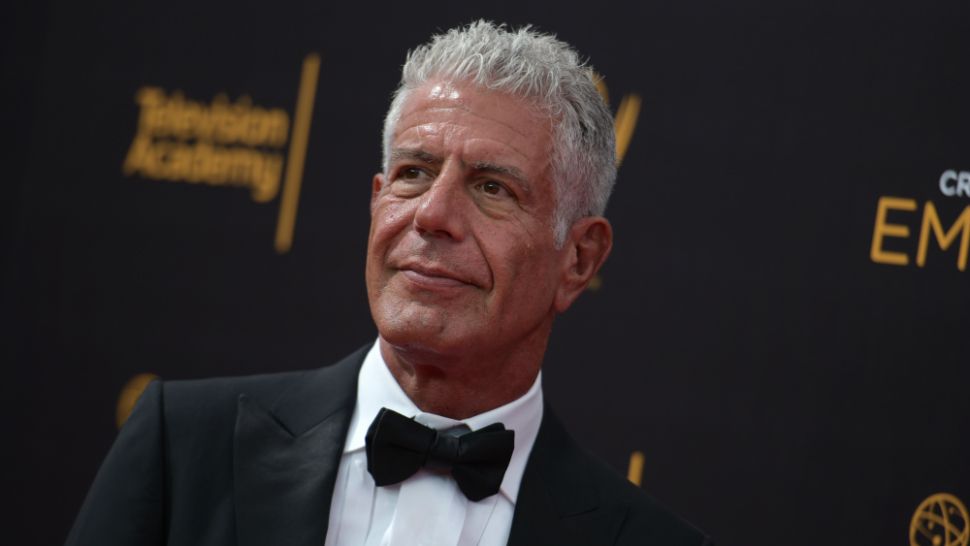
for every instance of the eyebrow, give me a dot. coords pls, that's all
(399, 154)
(502, 170)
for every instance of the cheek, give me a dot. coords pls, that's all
(521, 266)
(390, 217)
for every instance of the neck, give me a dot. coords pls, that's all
(461, 386)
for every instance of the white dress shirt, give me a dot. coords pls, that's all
(427, 508)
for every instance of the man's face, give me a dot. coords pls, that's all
(461, 258)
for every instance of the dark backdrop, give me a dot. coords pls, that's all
(787, 382)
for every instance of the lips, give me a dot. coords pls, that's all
(434, 276)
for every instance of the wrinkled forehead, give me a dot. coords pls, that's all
(518, 114)
(454, 117)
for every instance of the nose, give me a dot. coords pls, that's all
(440, 212)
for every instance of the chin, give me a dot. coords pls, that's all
(422, 332)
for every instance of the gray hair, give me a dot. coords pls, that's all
(544, 71)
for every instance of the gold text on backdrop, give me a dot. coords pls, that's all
(227, 143)
(952, 184)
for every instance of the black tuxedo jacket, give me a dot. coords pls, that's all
(251, 461)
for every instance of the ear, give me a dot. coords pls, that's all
(586, 247)
(376, 185)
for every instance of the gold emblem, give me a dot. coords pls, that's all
(940, 520)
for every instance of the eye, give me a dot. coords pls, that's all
(410, 181)
(410, 173)
(494, 188)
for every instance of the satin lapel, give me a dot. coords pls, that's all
(286, 459)
(558, 504)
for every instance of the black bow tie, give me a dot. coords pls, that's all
(397, 447)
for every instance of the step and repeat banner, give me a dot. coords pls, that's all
(778, 348)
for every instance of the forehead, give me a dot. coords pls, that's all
(446, 118)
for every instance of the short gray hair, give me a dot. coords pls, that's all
(548, 73)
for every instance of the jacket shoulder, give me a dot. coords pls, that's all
(199, 398)
(204, 402)
(635, 517)
(646, 520)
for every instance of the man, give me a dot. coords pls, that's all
(486, 222)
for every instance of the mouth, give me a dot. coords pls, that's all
(434, 277)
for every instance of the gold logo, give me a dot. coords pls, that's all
(130, 394)
(940, 520)
(227, 143)
(931, 225)
(624, 123)
(634, 472)
(220, 144)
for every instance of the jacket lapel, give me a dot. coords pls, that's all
(286, 458)
(558, 503)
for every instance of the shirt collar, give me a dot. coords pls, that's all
(377, 388)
